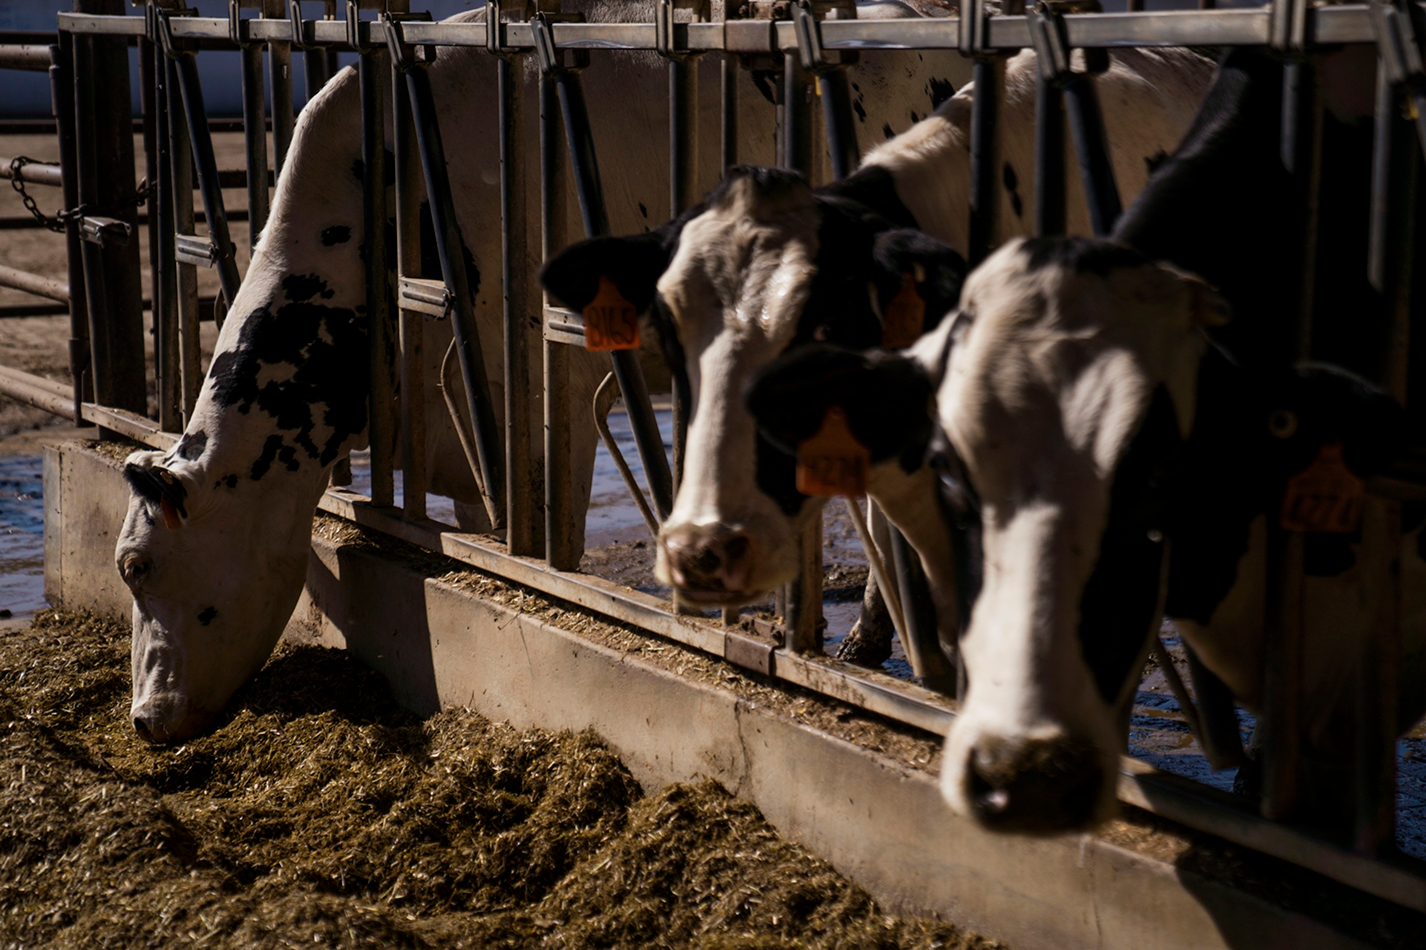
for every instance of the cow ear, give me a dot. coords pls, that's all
(159, 484)
(887, 400)
(1330, 405)
(917, 281)
(633, 264)
(1206, 306)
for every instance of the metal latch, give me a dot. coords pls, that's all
(104, 231)
(195, 250)
(421, 295)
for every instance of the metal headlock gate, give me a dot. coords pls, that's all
(809, 42)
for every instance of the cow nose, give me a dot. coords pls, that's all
(145, 729)
(708, 559)
(1034, 785)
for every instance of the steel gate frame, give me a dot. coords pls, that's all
(1289, 26)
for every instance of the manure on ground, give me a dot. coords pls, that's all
(321, 814)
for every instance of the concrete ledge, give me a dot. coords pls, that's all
(878, 820)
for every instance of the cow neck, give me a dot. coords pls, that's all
(286, 393)
(872, 189)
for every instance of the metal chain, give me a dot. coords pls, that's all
(62, 218)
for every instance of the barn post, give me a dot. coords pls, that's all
(381, 423)
(988, 76)
(1285, 617)
(1395, 169)
(62, 101)
(411, 323)
(254, 128)
(105, 166)
(185, 277)
(279, 67)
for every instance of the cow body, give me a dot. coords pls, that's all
(767, 265)
(215, 542)
(1125, 459)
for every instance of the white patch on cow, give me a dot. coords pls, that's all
(735, 290)
(1049, 378)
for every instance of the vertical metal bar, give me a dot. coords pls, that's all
(106, 180)
(988, 74)
(803, 614)
(166, 371)
(255, 140)
(836, 97)
(561, 548)
(279, 61)
(1284, 626)
(1049, 160)
(682, 165)
(728, 130)
(201, 141)
(1091, 147)
(1389, 258)
(186, 275)
(408, 264)
(795, 141)
(524, 530)
(584, 165)
(488, 444)
(314, 71)
(381, 425)
(62, 95)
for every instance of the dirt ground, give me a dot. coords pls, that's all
(321, 814)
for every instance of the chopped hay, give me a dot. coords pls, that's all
(321, 814)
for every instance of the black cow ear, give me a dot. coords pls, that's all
(634, 264)
(1331, 405)
(159, 485)
(911, 261)
(887, 400)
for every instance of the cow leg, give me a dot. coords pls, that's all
(869, 642)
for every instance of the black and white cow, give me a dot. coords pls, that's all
(1124, 462)
(215, 543)
(766, 264)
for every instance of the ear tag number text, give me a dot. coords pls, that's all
(1323, 497)
(610, 321)
(833, 462)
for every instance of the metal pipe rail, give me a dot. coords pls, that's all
(22, 56)
(46, 287)
(1250, 27)
(55, 398)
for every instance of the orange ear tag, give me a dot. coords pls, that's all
(1325, 496)
(905, 316)
(171, 520)
(833, 462)
(610, 321)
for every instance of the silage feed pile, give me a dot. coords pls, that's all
(321, 814)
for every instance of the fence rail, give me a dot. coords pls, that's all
(174, 133)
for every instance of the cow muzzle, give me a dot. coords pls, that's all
(710, 565)
(1033, 786)
(166, 719)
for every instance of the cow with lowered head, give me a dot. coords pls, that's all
(215, 543)
(767, 264)
(1122, 462)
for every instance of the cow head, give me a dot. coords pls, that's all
(1065, 383)
(764, 265)
(215, 572)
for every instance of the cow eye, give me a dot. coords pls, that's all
(135, 569)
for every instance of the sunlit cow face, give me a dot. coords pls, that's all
(1068, 385)
(214, 576)
(766, 264)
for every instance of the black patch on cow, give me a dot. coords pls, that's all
(887, 399)
(337, 234)
(1080, 255)
(859, 109)
(1119, 601)
(303, 287)
(388, 175)
(1012, 183)
(643, 210)
(206, 616)
(887, 132)
(940, 90)
(317, 356)
(230, 481)
(914, 117)
(191, 446)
